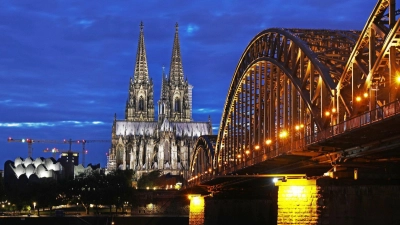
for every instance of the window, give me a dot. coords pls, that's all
(177, 105)
(141, 104)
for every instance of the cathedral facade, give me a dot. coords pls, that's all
(143, 143)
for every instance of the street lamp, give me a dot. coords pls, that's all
(34, 205)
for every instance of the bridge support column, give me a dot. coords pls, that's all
(196, 213)
(297, 201)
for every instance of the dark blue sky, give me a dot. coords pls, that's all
(65, 65)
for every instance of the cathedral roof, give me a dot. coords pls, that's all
(191, 129)
(135, 128)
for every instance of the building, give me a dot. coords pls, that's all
(69, 160)
(29, 169)
(143, 143)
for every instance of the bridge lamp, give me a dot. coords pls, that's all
(327, 113)
(358, 98)
(283, 134)
(256, 147)
(268, 141)
(365, 95)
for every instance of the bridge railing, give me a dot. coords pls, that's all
(369, 117)
(269, 152)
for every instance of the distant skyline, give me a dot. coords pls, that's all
(65, 66)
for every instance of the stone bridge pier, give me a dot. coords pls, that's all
(322, 200)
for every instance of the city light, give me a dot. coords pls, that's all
(268, 141)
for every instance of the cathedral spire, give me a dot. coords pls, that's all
(163, 108)
(163, 83)
(141, 73)
(176, 69)
(140, 105)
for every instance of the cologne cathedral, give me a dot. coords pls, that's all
(143, 143)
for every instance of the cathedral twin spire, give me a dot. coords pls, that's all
(176, 70)
(174, 103)
(141, 73)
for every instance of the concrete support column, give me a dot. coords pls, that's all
(297, 201)
(196, 213)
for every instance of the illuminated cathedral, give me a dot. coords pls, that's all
(142, 143)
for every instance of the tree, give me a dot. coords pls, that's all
(149, 180)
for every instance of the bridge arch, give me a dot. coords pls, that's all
(202, 160)
(284, 82)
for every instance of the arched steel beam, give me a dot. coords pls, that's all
(204, 147)
(368, 64)
(249, 57)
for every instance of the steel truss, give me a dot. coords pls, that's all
(293, 83)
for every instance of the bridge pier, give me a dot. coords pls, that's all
(338, 201)
(297, 201)
(196, 209)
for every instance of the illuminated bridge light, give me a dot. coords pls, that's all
(283, 134)
(327, 113)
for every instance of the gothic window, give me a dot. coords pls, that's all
(177, 105)
(166, 152)
(141, 104)
(137, 156)
(128, 156)
(155, 158)
(179, 153)
(120, 155)
(144, 154)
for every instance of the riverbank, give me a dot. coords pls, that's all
(96, 220)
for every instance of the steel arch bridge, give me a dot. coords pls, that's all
(293, 88)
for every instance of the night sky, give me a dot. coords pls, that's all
(65, 65)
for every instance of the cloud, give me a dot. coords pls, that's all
(191, 29)
(52, 124)
(12, 103)
(205, 110)
(85, 23)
